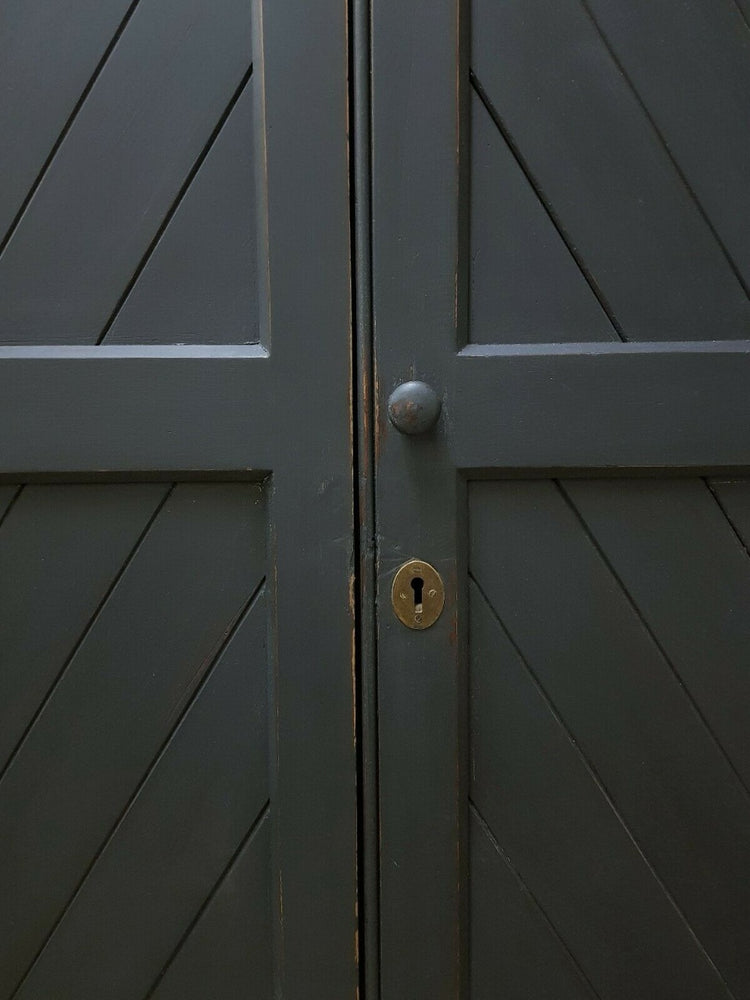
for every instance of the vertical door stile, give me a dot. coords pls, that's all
(417, 297)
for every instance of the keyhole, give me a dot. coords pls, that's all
(417, 584)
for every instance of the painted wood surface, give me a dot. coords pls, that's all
(559, 248)
(178, 786)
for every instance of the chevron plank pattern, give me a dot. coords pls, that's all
(134, 776)
(609, 163)
(128, 215)
(610, 739)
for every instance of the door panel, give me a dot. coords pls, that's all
(117, 171)
(119, 691)
(637, 720)
(177, 794)
(563, 760)
(165, 696)
(616, 160)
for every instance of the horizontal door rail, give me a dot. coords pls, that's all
(134, 408)
(601, 406)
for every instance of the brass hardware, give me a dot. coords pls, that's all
(417, 594)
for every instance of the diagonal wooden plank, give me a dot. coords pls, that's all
(50, 55)
(61, 550)
(670, 544)
(515, 952)
(198, 282)
(690, 64)
(228, 951)
(133, 143)
(605, 171)
(8, 496)
(175, 839)
(622, 701)
(525, 283)
(545, 805)
(144, 655)
(733, 496)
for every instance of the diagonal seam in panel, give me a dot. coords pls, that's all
(67, 126)
(11, 504)
(741, 12)
(546, 205)
(489, 834)
(247, 838)
(171, 211)
(652, 636)
(725, 513)
(201, 681)
(86, 630)
(665, 145)
(595, 777)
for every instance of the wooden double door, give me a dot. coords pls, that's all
(230, 231)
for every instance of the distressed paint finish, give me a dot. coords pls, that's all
(556, 251)
(249, 813)
(546, 228)
(416, 236)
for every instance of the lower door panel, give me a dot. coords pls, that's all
(134, 798)
(609, 738)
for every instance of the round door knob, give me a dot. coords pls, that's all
(414, 408)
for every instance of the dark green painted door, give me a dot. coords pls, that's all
(561, 248)
(548, 207)
(177, 770)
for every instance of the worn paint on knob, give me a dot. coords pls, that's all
(418, 594)
(414, 408)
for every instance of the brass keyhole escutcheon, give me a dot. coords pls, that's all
(417, 594)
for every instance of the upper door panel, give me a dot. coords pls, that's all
(129, 213)
(608, 176)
